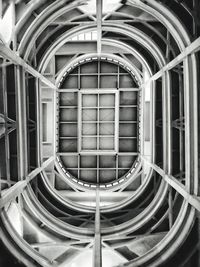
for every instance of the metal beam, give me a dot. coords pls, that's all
(21, 112)
(66, 257)
(5, 107)
(190, 49)
(166, 118)
(35, 172)
(191, 126)
(97, 252)
(99, 6)
(173, 182)
(12, 193)
(91, 196)
(17, 189)
(170, 204)
(15, 59)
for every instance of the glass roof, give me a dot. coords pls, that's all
(108, 6)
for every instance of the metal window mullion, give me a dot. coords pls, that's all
(117, 165)
(80, 122)
(98, 122)
(153, 122)
(79, 77)
(98, 74)
(79, 166)
(118, 77)
(98, 169)
(116, 120)
(7, 143)
(98, 96)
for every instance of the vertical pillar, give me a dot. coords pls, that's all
(99, 4)
(97, 249)
(167, 136)
(5, 110)
(191, 124)
(21, 113)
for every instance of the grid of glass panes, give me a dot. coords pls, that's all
(98, 121)
(68, 113)
(105, 165)
(128, 112)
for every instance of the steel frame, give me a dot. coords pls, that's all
(189, 191)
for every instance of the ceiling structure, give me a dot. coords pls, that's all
(99, 133)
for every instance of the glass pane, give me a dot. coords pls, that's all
(106, 143)
(89, 129)
(106, 129)
(89, 143)
(107, 114)
(68, 99)
(128, 98)
(107, 100)
(89, 100)
(89, 115)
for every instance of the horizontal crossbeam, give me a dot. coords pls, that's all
(11, 193)
(192, 48)
(173, 182)
(15, 59)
